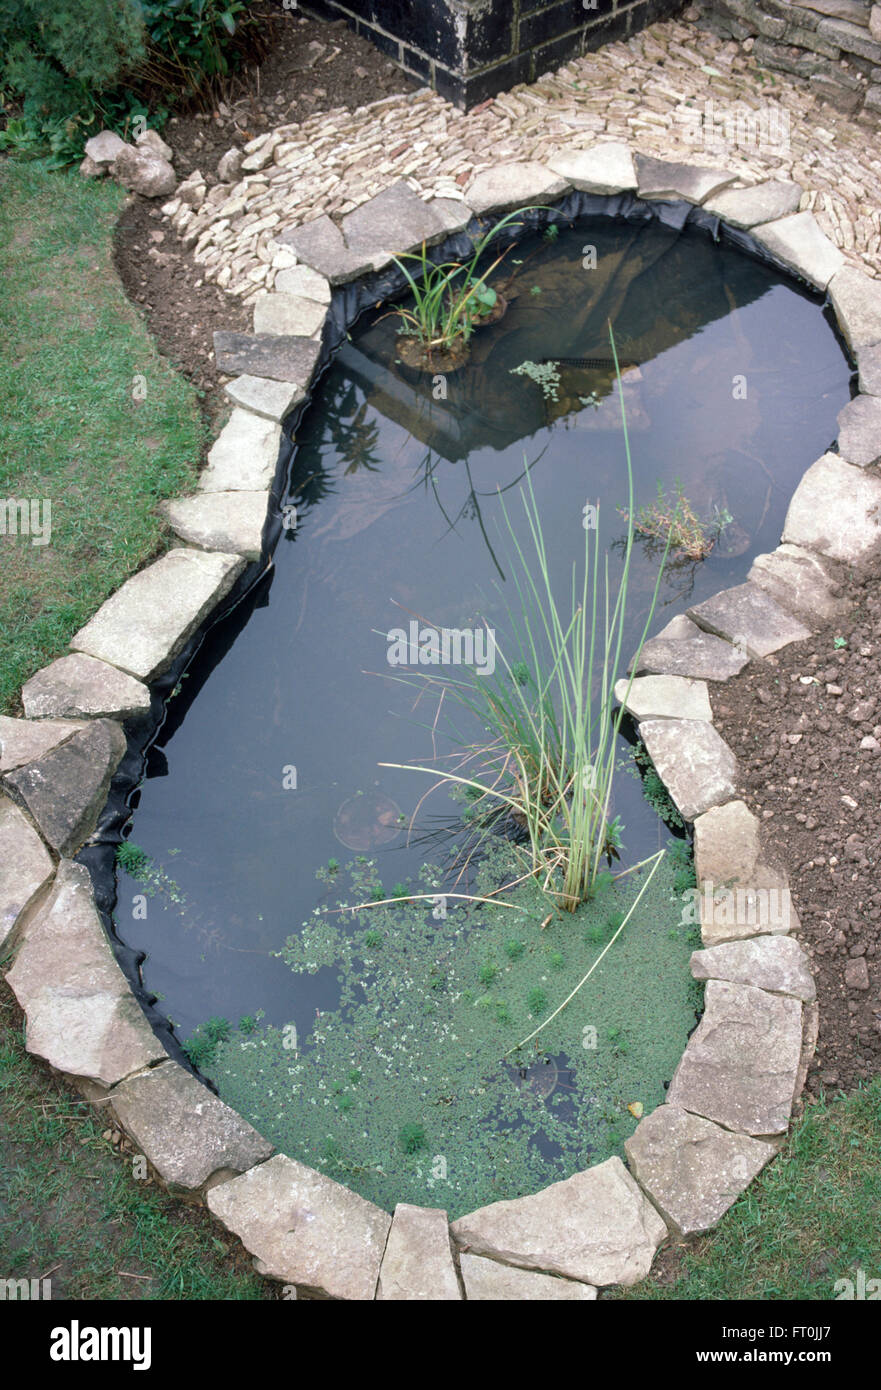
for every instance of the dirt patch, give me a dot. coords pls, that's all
(310, 66)
(806, 728)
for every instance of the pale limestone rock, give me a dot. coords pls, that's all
(859, 431)
(835, 510)
(693, 761)
(147, 622)
(231, 521)
(271, 399)
(82, 687)
(856, 300)
(418, 1260)
(596, 1227)
(741, 1063)
(305, 1229)
(488, 1281)
(306, 283)
(665, 180)
(25, 740)
(244, 456)
(188, 1134)
(741, 894)
(65, 789)
(691, 1168)
(82, 1018)
(603, 169)
(25, 866)
(750, 619)
(288, 314)
(800, 581)
(506, 186)
(774, 963)
(797, 243)
(664, 697)
(748, 207)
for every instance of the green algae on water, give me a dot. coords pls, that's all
(413, 1090)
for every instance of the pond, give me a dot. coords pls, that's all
(377, 1045)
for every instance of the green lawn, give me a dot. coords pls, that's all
(809, 1219)
(71, 430)
(71, 1209)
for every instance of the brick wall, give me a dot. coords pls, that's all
(470, 49)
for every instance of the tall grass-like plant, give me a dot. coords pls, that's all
(550, 758)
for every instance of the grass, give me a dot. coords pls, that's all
(807, 1221)
(71, 1209)
(71, 431)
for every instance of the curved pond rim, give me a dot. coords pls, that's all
(349, 302)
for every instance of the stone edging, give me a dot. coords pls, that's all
(726, 1112)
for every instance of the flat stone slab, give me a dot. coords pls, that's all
(835, 510)
(302, 280)
(748, 207)
(661, 179)
(702, 657)
(289, 314)
(750, 619)
(304, 1228)
(664, 697)
(278, 357)
(82, 1018)
(231, 521)
(418, 1260)
(604, 169)
(869, 362)
(25, 866)
(244, 456)
(391, 222)
(514, 185)
(80, 686)
(188, 1134)
(741, 1063)
(65, 790)
(454, 213)
(271, 399)
(798, 243)
(691, 1168)
(487, 1280)
(25, 740)
(741, 895)
(320, 245)
(859, 431)
(775, 963)
(142, 627)
(595, 1226)
(856, 300)
(694, 762)
(800, 581)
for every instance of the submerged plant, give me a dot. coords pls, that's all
(550, 759)
(672, 521)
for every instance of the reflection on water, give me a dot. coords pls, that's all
(400, 482)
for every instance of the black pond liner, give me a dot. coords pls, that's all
(348, 303)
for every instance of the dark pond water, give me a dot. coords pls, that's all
(400, 516)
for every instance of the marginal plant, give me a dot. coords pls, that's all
(548, 765)
(449, 299)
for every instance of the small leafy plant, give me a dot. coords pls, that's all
(672, 521)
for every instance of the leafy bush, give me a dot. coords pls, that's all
(71, 69)
(65, 65)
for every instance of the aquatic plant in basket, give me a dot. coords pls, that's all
(450, 300)
(548, 763)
